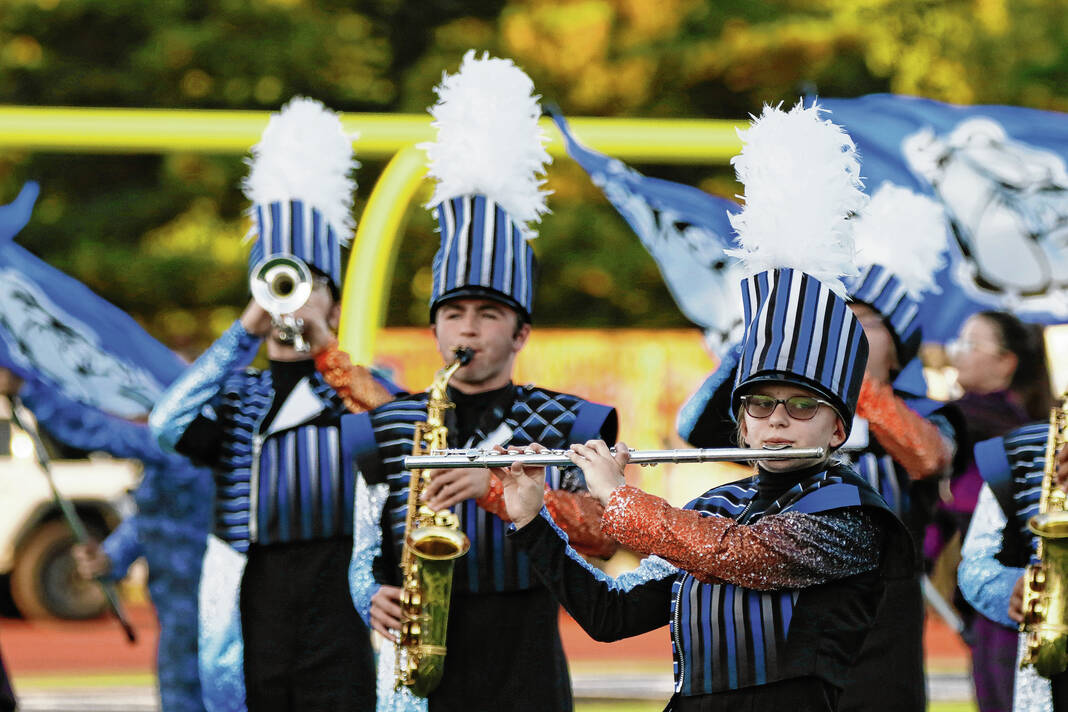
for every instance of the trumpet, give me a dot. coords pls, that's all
(282, 285)
(453, 458)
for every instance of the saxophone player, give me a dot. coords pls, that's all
(503, 644)
(999, 545)
(285, 490)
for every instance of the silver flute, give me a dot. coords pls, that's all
(449, 459)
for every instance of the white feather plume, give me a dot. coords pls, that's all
(488, 139)
(905, 233)
(802, 181)
(305, 154)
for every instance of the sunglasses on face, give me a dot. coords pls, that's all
(797, 407)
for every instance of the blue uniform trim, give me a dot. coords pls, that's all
(984, 581)
(827, 498)
(358, 439)
(651, 568)
(589, 421)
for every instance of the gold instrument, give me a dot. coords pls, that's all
(282, 285)
(432, 541)
(1045, 595)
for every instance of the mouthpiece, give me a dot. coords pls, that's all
(464, 355)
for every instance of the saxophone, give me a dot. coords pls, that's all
(432, 540)
(1045, 595)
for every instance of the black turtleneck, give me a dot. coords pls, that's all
(473, 410)
(772, 485)
(285, 375)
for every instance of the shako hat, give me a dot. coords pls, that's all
(301, 188)
(901, 243)
(488, 161)
(802, 183)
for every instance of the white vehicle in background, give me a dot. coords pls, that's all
(35, 540)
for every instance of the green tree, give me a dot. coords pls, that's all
(160, 235)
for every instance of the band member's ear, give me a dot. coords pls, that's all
(333, 319)
(519, 338)
(839, 435)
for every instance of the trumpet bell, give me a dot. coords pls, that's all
(281, 284)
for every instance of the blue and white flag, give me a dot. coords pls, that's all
(1000, 172)
(685, 229)
(55, 330)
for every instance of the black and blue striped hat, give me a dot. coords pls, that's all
(799, 331)
(299, 230)
(901, 241)
(483, 253)
(488, 161)
(301, 189)
(802, 182)
(885, 293)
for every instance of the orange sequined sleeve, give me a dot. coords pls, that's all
(788, 550)
(353, 383)
(577, 513)
(907, 436)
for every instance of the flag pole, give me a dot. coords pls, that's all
(20, 415)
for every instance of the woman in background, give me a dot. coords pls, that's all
(1001, 368)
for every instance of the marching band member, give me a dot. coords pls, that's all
(771, 584)
(907, 437)
(999, 545)
(900, 436)
(285, 484)
(1000, 366)
(503, 642)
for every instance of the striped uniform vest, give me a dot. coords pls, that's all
(381, 439)
(725, 637)
(1013, 466)
(291, 484)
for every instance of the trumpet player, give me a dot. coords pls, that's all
(769, 585)
(503, 648)
(285, 635)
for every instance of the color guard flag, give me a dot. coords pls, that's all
(1000, 172)
(685, 229)
(55, 330)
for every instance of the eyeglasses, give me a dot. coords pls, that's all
(961, 346)
(797, 407)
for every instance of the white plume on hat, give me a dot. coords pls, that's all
(488, 139)
(802, 181)
(904, 232)
(305, 154)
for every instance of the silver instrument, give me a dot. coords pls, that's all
(449, 459)
(282, 285)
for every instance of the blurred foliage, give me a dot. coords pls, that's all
(161, 235)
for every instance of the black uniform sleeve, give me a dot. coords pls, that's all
(607, 609)
(202, 441)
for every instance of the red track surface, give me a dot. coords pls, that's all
(36, 648)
